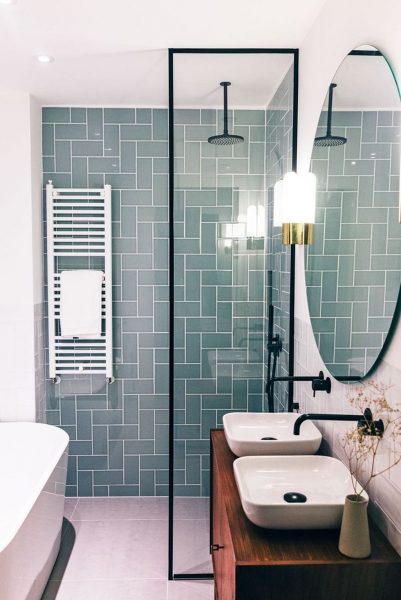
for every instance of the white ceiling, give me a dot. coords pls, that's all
(114, 53)
(254, 78)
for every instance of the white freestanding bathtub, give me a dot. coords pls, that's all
(33, 467)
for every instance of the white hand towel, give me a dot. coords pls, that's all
(81, 303)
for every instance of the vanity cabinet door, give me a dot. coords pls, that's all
(223, 557)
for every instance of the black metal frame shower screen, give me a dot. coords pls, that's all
(172, 51)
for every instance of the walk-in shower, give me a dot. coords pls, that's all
(227, 263)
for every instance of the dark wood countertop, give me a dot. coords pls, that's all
(255, 546)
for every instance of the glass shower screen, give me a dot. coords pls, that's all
(219, 208)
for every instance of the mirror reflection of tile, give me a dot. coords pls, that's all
(353, 268)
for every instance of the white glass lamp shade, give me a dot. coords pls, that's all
(298, 198)
(291, 211)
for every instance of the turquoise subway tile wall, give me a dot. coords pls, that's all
(219, 283)
(279, 128)
(119, 432)
(355, 257)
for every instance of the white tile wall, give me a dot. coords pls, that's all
(385, 490)
(20, 252)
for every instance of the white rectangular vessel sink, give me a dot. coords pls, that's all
(250, 434)
(293, 492)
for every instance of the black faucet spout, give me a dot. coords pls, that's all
(365, 421)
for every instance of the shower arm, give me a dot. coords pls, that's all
(330, 108)
(225, 115)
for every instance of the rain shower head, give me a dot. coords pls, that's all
(328, 140)
(225, 138)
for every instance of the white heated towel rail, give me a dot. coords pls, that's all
(79, 236)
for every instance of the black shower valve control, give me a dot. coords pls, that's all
(275, 345)
(321, 384)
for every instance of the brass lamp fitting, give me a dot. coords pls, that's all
(297, 233)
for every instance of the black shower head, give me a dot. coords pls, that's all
(328, 140)
(225, 138)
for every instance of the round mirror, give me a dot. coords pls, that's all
(353, 267)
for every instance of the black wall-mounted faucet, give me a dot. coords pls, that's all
(319, 383)
(366, 424)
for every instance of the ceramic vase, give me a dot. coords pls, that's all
(354, 535)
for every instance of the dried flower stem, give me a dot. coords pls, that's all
(361, 449)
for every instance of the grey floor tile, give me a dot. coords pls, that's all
(106, 509)
(196, 590)
(191, 546)
(116, 549)
(99, 589)
(191, 508)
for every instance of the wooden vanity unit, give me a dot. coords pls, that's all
(251, 563)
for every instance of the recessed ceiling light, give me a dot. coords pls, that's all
(44, 58)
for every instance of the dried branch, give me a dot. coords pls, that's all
(361, 449)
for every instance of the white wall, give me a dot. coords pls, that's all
(36, 198)
(341, 26)
(20, 251)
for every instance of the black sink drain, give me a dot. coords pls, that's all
(268, 438)
(293, 497)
